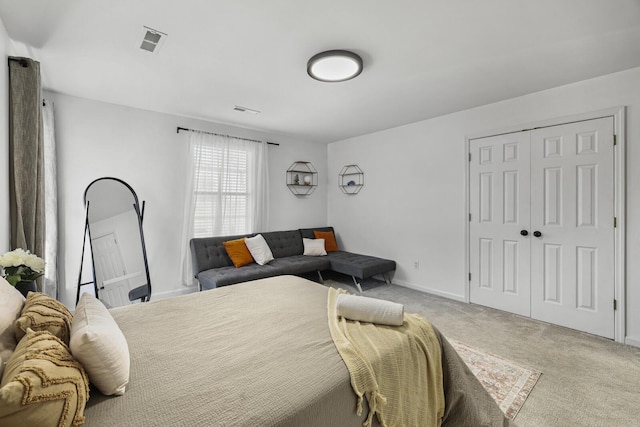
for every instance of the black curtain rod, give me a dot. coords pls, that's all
(219, 134)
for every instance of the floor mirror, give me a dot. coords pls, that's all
(113, 245)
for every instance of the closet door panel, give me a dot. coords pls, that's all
(572, 189)
(499, 200)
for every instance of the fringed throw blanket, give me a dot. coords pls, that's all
(396, 368)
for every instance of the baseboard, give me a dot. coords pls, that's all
(174, 293)
(632, 341)
(428, 290)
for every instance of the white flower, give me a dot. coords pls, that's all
(12, 259)
(20, 257)
(34, 262)
(21, 266)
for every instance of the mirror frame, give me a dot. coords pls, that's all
(87, 230)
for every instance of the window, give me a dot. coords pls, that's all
(227, 192)
(222, 192)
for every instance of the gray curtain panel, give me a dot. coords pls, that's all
(26, 153)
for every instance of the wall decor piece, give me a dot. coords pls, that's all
(351, 179)
(302, 178)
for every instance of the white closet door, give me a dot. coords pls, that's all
(572, 196)
(499, 206)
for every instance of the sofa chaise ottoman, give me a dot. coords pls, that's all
(212, 266)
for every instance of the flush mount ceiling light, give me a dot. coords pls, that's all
(334, 66)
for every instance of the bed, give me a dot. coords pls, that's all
(254, 354)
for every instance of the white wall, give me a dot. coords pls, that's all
(96, 139)
(5, 50)
(412, 207)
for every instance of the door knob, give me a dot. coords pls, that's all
(537, 233)
(524, 232)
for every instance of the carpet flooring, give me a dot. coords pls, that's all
(586, 381)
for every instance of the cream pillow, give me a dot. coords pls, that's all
(313, 247)
(99, 344)
(11, 303)
(259, 249)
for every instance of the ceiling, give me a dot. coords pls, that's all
(422, 58)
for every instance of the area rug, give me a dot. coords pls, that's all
(507, 382)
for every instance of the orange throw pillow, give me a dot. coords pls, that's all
(330, 244)
(238, 252)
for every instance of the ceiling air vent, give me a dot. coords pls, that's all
(152, 39)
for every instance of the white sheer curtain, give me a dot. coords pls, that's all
(227, 190)
(50, 280)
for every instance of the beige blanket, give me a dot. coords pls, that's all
(253, 354)
(397, 368)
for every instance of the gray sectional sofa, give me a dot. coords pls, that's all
(213, 267)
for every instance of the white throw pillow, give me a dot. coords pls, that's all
(313, 247)
(11, 303)
(99, 344)
(259, 249)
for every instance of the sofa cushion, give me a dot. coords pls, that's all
(360, 266)
(209, 252)
(284, 243)
(223, 276)
(300, 264)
